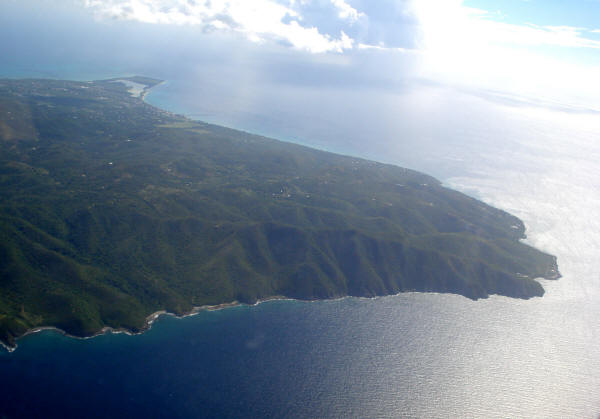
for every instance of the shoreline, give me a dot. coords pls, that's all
(151, 318)
(148, 322)
(147, 89)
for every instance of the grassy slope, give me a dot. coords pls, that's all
(112, 209)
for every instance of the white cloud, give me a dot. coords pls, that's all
(448, 22)
(258, 20)
(381, 47)
(468, 47)
(454, 44)
(345, 11)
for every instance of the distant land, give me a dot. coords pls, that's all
(112, 209)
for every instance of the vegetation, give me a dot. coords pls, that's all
(111, 209)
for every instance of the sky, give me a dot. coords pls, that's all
(539, 51)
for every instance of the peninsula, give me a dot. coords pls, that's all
(112, 209)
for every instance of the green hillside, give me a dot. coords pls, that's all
(112, 209)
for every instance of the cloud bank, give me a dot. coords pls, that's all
(447, 41)
(258, 20)
(480, 49)
(340, 25)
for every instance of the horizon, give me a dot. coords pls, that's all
(538, 54)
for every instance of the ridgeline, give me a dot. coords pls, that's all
(112, 209)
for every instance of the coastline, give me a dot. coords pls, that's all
(147, 90)
(151, 318)
(148, 322)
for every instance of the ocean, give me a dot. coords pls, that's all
(413, 355)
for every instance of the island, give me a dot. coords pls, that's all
(112, 210)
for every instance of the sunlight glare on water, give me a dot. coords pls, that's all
(547, 351)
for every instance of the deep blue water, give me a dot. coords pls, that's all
(230, 363)
(277, 359)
